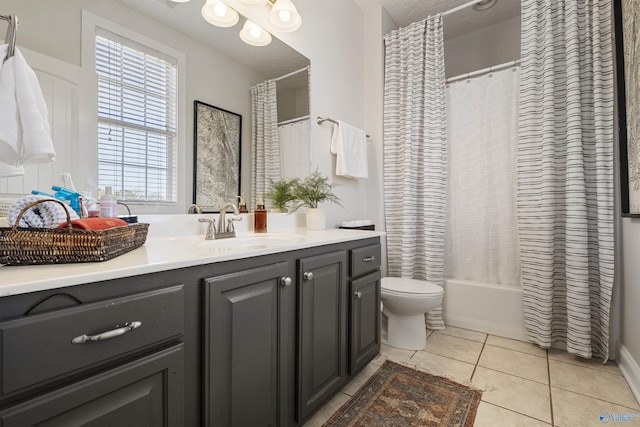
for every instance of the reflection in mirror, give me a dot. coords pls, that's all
(220, 70)
(277, 62)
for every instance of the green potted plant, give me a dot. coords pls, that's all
(280, 193)
(311, 191)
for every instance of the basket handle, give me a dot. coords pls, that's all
(128, 210)
(37, 202)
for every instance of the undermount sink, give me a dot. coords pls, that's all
(254, 241)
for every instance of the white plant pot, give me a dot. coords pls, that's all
(316, 219)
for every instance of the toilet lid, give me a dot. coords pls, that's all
(410, 286)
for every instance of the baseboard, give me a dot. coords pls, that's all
(630, 370)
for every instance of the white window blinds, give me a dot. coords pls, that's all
(137, 141)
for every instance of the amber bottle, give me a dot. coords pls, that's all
(260, 217)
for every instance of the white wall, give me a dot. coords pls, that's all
(492, 45)
(54, 29)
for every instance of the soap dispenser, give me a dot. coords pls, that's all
(242, 205)
(260, 216)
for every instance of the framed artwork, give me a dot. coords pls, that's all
(627, 26)
(216, 156)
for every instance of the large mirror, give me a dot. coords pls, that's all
(220, 71)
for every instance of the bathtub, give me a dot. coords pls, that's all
(484, 307)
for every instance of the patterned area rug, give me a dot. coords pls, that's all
(400, 396)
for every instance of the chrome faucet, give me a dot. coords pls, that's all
(194, 209)
(226, 229)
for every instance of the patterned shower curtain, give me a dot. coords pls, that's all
(265, 148)
(565, 173)
(415, 154)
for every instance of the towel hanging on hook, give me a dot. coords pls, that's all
(10, 38)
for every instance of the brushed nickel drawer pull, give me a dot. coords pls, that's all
(369, 258)
(129, 326)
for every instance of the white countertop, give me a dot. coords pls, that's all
(168, 252)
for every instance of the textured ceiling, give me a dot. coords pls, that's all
(404, 12)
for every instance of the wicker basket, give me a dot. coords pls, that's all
(24, 246)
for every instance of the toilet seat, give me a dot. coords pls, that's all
(403, 286)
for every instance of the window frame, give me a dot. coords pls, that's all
(88, 153)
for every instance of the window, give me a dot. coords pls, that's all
(137, 139)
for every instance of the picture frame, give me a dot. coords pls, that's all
(217, 135)
(627, 22)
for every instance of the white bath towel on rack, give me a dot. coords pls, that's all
(6, 169)
(349, 144)
(25, 136)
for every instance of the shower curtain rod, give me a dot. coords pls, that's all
(297, 119)
(462, 6)
(291, 73)
(484, 71)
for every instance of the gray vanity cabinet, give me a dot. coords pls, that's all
(322, 330)
(364, 306)
(146, 392)
(243, 339)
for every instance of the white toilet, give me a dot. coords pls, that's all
(405, 302)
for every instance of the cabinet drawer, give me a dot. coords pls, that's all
(365, 259)
(38, 349)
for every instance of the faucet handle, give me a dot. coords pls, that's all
(210, 228)
(230, 221)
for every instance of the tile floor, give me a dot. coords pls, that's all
(523, 385)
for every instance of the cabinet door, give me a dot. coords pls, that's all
(241, 347)
(364, 341)
(322, 345)
(147, 392)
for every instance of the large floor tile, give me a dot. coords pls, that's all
(443, 366)
(525, 347)
(610, 367)
(393, 354)
(454, 347)
(464, 333)
(324, 413)
(593, 383)
(492, 416)
(572, 409)
(515, 363)
(526, 397)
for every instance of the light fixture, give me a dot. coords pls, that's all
(219, 14)
(284, 16)
(179, 1)
(254, 35)
(484, 5)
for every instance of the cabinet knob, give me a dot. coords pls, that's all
(308, 275)
(286, 281)
(357, 294)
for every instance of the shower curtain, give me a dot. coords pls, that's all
(565, 173)
(265, 149)
(415, 154)
(481, 242)
(295, 160)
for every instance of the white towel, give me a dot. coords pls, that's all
(25, 135)
(349, 144)
(44, 215)
(7, 132)
(37, 146)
